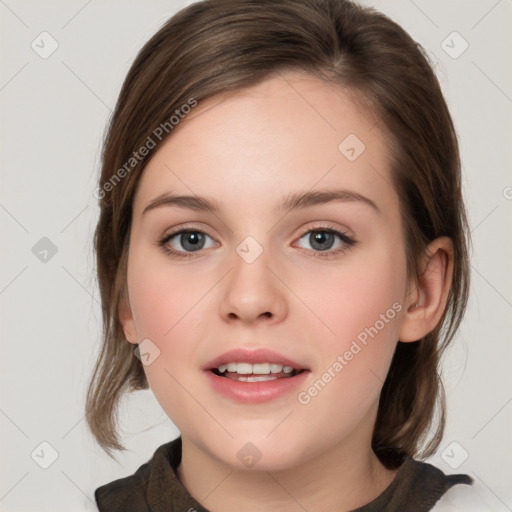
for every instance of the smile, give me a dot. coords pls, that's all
(259, 372)
(254, 376)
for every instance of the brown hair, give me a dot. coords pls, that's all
(215, 46)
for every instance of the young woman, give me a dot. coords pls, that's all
(282, 258)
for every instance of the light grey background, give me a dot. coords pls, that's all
(54, 112)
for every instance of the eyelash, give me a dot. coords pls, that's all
(347, 240)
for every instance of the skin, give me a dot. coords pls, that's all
(247, 151)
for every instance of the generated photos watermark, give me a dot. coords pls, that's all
(342, 360)
(158, 133)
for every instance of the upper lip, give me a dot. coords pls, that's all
(260, 355)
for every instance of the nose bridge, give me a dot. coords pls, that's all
(251, 290)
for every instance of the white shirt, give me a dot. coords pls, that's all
(463, 498)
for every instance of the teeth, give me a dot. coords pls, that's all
(261, 378)
(255, 369)
(261, 368)
(244, 368)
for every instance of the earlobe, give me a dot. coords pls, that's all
(126, 319)
(427, 304)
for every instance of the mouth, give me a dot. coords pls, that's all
(257, 372)
(255, 376)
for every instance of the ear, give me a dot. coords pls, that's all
(126, 319)
(427, 299)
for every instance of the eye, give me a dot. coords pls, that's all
(182, 243)
(327, 241)
(323, 241)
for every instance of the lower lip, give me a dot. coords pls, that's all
(255, 392)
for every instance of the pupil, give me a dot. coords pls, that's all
(192, 241)
(323, 239)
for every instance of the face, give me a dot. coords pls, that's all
(318, 283)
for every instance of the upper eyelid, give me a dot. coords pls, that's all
(324, 227)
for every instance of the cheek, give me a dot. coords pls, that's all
(166, 306)
(365, 292)
(162, 299)
(360, 306)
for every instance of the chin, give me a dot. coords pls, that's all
(255, 453)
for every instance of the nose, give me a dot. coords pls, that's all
(252, 293)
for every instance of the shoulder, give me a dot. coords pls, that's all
(452, 492)
(125, 494)
(462, 498)
(426, 487)
(129, 494)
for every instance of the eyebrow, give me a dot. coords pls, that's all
(296, 201)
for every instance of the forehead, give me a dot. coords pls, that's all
(289, 132)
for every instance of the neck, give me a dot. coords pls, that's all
(343, 478)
